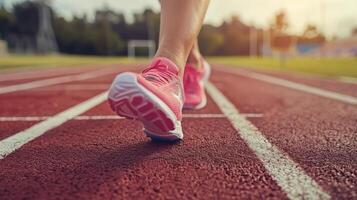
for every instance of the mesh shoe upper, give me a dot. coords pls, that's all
(162, 79)
(193, 86)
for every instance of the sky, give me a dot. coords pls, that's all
(334, 17)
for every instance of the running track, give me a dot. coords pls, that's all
(263, 135)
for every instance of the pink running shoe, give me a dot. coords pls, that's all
(194, 81)
(153, 97)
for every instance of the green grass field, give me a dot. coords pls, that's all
(327, 67)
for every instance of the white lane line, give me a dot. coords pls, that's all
(80, 87)
(293, 85)
(287, 174)
(54, 81)
(346, 79)
(24, 119)
(111, 117)
(14, 142)
(249, 115)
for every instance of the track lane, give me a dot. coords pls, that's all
(76, 78)
(45, 102)
(213, 143)
(317, 133)
(7, 78)
(326, 83)
(10, 128)
(113, 159)
(293, 85)
(288, 175)
(16, 141)
(21, 75)
(55, 81)
(37, 103)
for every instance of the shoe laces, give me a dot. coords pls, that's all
(159, 74)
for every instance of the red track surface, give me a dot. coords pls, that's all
(111, 159)
(320, 82)
(26, 75)
(9, 128)
(318, 133)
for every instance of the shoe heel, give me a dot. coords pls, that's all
(120, 96)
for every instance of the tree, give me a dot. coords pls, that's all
(153, 24)
(354, 32)
(6, 22)
(210, 40)
(79, 36)
(310, 31)
(236, 37)
(26, 17)
(311, 35)
(107, 42)
(280, 23)
(76, 36)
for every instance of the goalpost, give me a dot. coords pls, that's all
(133, 44)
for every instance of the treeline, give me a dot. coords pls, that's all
(107, 34)
(109, 31)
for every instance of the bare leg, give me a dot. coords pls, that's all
(194, 58)
(181, 21)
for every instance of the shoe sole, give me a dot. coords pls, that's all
(129, 99)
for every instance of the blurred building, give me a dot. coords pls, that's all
(35, 34)
(346, 47)
(306, 48)
(291, 45)
(45, 38)
(3, 48)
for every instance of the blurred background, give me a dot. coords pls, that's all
(256, 32)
